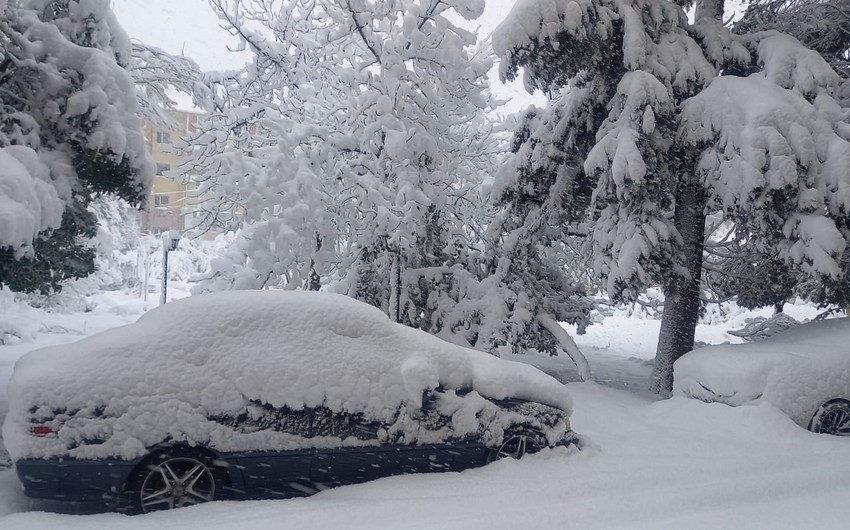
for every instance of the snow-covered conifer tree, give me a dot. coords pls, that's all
(822, 25)
(68, 129)
(732, 271)
(658, 122)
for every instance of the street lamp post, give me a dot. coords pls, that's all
(170, 239)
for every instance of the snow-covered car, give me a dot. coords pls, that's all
(804, 371)
(264, 394)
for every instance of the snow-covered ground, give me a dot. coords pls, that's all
(674, 463)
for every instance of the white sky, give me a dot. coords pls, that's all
(191, 27)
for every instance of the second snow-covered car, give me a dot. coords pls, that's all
(264, 394)
(804, 371)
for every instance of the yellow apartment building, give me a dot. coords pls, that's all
(170, 203)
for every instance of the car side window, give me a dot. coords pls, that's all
(429, 415)
(307, 422)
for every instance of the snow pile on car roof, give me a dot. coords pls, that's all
(797, 370)
(209, 355)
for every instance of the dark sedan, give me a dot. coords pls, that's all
(264, 395)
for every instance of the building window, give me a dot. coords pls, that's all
(191, 123)
(160, 202)
(162, 168)
(163, 137)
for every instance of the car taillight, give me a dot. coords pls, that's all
(42, 430)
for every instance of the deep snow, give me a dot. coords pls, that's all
(676, 463)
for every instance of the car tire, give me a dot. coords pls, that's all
(516, 445)
(833, 417)
(173, 478)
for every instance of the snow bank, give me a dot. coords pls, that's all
(797, 370)
(213, 355)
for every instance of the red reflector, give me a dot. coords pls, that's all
(42, 430)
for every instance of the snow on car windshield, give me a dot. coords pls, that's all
(211, 354)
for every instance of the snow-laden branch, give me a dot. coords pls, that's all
(567, 344)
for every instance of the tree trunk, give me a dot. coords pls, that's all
(395, 288)
(314, 281)
(682, 294)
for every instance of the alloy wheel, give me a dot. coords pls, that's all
(516, 446)
(176, 482)
(832, 418)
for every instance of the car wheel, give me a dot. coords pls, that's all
(172, 479)
(832, 417)
(518, 445)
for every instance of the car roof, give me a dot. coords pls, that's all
(283, 348)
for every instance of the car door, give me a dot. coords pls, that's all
(283, 472)
(362, 463)
(277, 473)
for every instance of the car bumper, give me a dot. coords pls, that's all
(74, 480)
